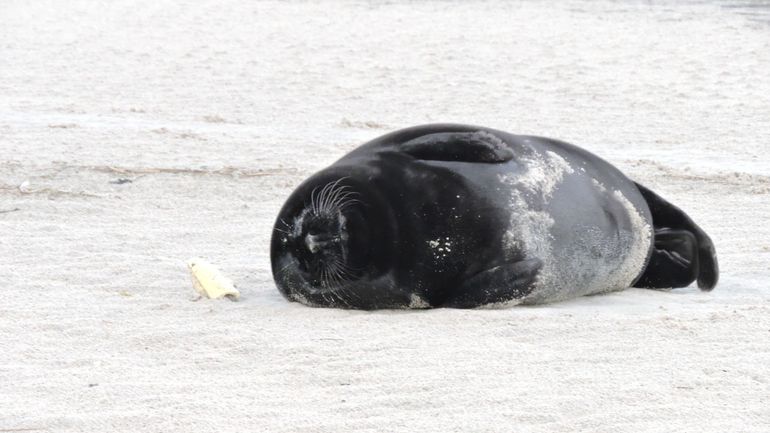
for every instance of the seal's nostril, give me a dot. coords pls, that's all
(316, 242)
(311, 243)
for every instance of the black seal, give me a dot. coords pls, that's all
(462, 216)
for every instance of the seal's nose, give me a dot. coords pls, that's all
(316, 242)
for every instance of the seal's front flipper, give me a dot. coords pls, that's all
(683, 251)
(479, 146)
(502, 283)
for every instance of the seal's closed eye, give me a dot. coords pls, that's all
(479, 146)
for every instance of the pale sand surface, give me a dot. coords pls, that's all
(216, 110)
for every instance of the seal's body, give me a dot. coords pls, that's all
(464, 216)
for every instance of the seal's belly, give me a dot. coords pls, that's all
(590, 237)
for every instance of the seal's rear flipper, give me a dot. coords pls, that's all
(683, 251)
(674, 261)
(479, 146)
(500, 284)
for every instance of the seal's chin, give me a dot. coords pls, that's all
(319, 290)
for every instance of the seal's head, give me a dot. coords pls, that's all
(326, 240)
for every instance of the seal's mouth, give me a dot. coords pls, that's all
(292, 280)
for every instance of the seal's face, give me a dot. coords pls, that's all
(321, 244)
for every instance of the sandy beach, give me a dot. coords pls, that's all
(136, 135)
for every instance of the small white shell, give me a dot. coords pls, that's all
(208, 281)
